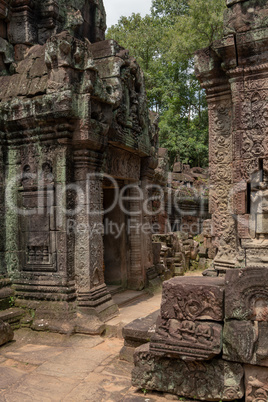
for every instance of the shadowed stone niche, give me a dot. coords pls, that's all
(74, 125)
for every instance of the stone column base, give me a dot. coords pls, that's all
(51, 290)
(58, 316)
(98, 302)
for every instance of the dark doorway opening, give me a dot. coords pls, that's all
(115, 241)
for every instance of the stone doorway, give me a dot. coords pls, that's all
(115, 240)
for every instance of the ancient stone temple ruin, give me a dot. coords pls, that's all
(234, 73)
(210, 342)
(74, 131)
(185, 191)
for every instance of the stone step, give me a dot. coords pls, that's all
(133, 311)
(12, 316)
(128, 297)
(114, 289)
(136, 333)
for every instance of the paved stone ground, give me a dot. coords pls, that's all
(45, 367)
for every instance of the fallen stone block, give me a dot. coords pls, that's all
(141, 330)
(6, 333)
(214, 380)
(136, 333)
(12, 316)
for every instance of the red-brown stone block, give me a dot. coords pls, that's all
(6, 333)
(188, 340)
(193, 298)
(256, 384)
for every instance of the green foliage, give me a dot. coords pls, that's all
(11, 301)
(164, 43)
(198, 28)
(140, 36)
(169, 9)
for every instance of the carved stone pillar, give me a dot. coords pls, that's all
(147, 174)
(234, 73)
(93, 295)
(221, 200)
(136, 275)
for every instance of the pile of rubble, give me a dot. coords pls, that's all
(210, 341)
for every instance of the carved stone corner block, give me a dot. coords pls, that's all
(207, 381)
(256, 383)
(246, 342)
(193, 299)
(246, 294)
(187, 340)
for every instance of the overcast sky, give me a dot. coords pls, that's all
(116, 8)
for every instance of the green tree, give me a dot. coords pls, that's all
(164, 43)
(169, 9)
(198, 28)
